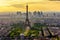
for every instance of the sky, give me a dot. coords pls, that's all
(34, 5)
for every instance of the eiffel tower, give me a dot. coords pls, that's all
(27, 22)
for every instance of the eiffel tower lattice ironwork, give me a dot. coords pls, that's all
(27, 22)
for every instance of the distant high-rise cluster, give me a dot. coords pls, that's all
(35, 16)
(38, 14)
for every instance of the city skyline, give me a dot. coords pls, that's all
(28, 25)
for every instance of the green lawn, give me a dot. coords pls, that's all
(18, 28)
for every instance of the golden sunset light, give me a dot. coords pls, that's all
(19, 5)
(29, 19)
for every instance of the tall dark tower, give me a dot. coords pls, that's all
(27, 23)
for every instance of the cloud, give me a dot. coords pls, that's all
(18, 5)
(24, 4)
